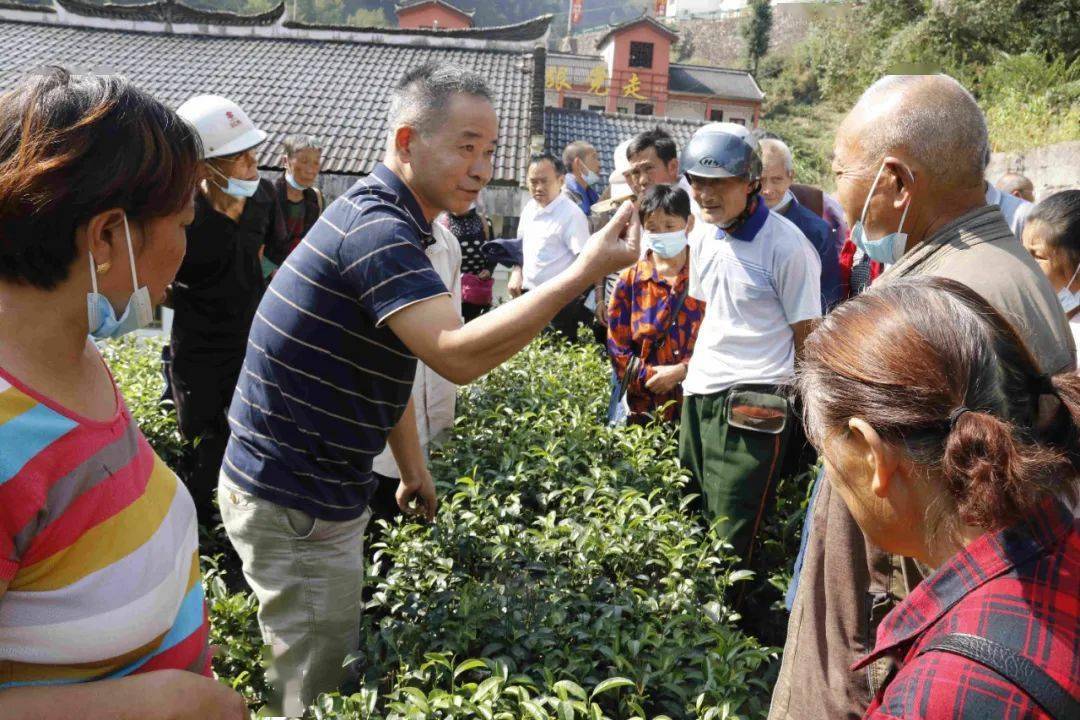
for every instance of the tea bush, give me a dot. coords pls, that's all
(563, 577)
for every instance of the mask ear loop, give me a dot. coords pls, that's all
(873, 187)
(131, 256)
(93, 272)
(1072, 279)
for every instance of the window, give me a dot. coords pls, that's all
(641, 54)
(716, 115)
(597, 108)
(739, 121)
(643, 109)
(571, 103)
(624, 110)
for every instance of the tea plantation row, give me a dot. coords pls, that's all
(564, 577)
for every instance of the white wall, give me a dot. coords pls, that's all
(1050, 168)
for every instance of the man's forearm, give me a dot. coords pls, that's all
(404, 441)
(492, 338)
(138, 697)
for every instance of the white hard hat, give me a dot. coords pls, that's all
(622, 164)
(222, 126)
(619, 187)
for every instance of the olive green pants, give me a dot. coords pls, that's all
(734, 470)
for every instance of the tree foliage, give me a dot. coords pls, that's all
(1020, 59)
(756, 32)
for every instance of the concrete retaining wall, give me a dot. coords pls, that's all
(1050, 168)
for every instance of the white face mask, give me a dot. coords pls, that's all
(138, 313)
(235, 186)
(1069, 300)
(886, 250)
(666, 245)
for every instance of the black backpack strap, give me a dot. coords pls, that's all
(1017, 669)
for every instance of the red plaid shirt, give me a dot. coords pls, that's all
(1019, 587)
(639, 309)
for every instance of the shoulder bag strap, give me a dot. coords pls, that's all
(1017, 669)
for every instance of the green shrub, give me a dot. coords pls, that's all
(563, 578)
(1019, 59)
(136, 365)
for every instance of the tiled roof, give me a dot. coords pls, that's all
(337, 91)
(31, 7)
(605, 131)
(170, 11)
(528, 30)
(410, 4)
(655, 24)
(700, 80)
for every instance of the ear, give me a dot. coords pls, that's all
(403, 138)
(105, 236)
(690, 224)
(881, 458)
(673, 168)
(903, 179)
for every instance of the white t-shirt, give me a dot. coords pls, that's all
(1074, 325)
(552, 236)
(1013, 208)
(434, 397)
(754, 291)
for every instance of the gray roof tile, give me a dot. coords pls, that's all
(701, 80)
(605, 131)
(335, 90)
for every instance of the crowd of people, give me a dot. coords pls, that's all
(917, 330)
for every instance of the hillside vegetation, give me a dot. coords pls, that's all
(1020, 59)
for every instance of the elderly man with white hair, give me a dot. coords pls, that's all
(909, 167)
(1017, 185)
(777, 175)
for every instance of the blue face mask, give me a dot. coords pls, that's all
(592, 179)
(888, 249)
(666, 245)
(100, 314)
(236, 187)
(1069, 300)
(292, 182)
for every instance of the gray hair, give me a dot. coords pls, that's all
(1012, 182)
(770, 147)
(936, 120)
(421, 97)
(575, 150)
(298, 141)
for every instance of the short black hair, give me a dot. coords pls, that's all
(658, 138)
(670, 199)
(422, 95)
(556, 163)
(1061, 214)
(74, 146)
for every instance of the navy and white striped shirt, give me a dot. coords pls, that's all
(324, 379)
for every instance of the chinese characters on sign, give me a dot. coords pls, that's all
(555, 79)
(598, 80)
(632, 88)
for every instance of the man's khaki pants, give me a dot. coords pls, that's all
(307, 574)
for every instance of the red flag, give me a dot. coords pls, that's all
(660, 8)
(575, 11)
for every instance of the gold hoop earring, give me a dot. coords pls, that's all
(103, 268)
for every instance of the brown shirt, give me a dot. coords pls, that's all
(847, 585)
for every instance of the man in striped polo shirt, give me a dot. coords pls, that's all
(330, 365)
